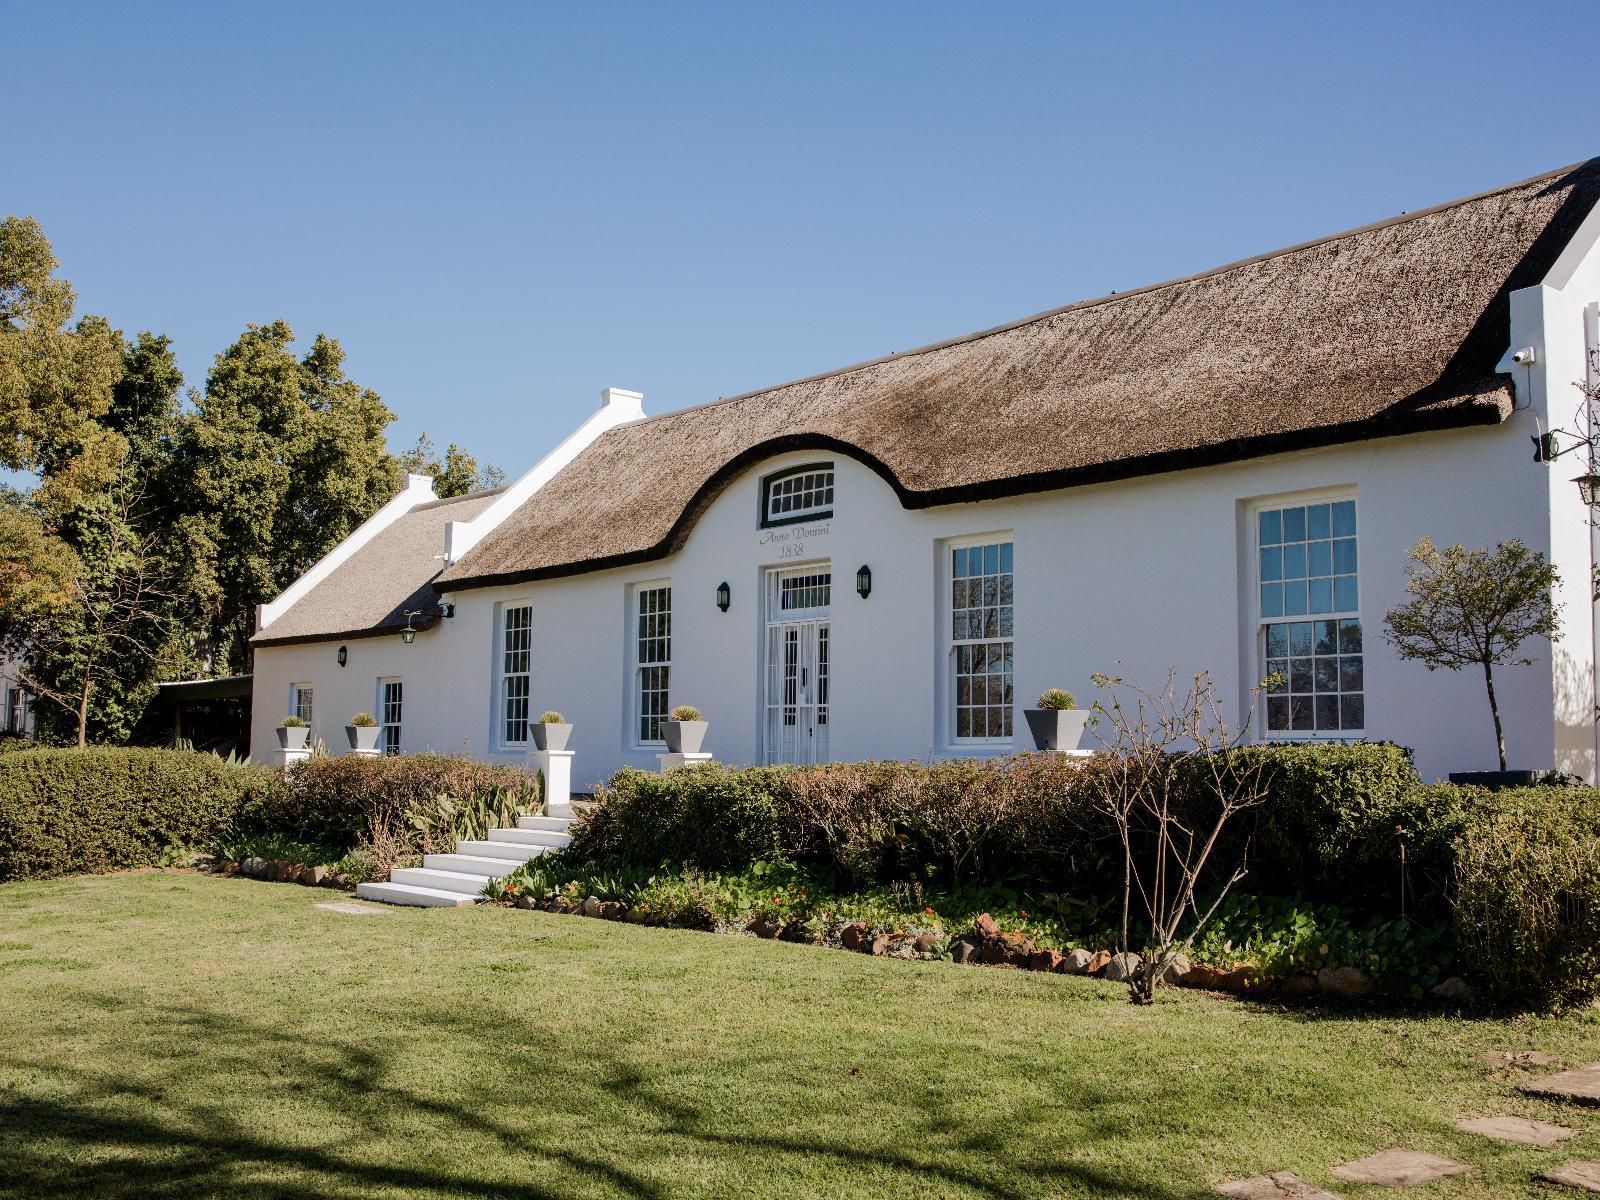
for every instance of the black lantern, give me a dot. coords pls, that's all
(724, 596)
(344, 655)
(409, 633)
(864, 581)
(1588, 488)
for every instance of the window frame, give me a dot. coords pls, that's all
(307, 711)
(384, 723)
(812, 514)
(949, 701)
(637, 666)
(1259, 621)
(17, 709)
(503, 676)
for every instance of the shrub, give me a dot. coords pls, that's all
(1528, 908)
(552, 717)
(356, 800)
(711, 816)
(65, 812)
(1057, 700)
(686, 712)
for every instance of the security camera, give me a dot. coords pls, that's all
(1525, 357)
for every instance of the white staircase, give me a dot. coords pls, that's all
(449, 880)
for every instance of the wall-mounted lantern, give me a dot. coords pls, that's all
(1588, 488)
(864, 581)
(344, 655)
(724, 596)
(446, 610)
(409, 633)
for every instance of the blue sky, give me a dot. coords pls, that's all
(501, 209)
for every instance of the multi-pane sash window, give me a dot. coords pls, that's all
(980, 635)
(392, 694)
(796, 495)
(799, 592)
(16, 710)
(303, 697)
(1310, 618)
(516, 655)
(653, 659)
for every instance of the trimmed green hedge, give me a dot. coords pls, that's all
(68, 812)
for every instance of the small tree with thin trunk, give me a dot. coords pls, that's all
(1174, 779)
(1475, 608)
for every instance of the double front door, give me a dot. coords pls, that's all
(797, 666)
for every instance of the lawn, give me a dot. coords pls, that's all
(172, 1034)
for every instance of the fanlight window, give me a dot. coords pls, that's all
(800, 494)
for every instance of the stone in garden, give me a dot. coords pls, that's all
(1045, 960)
(1276, 1186)
(1581, 1086)
(1008, 950)
(1173, 970)
(985, 927)
(1518, 1129)
(290, 872)
(762, 927)
(925, 943)
(591, 906)
(1454, 988)
(355, 910)
(314, 876)
(637, 916)
(1519, 1058)
(1097, 962)
(1400, 1168)
(1075, 962)
(1123, 967)
(1344, 981)
(963, 952)
(882, 944)
(1301, 983)
(854, 936)
(796, 931)
(527, 901)
(1585, 1176)
(250, 867)
(612, 910)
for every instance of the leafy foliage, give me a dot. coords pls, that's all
(1056, 700)
(456, 474)
(686, 712)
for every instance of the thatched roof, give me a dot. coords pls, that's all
(370, 592)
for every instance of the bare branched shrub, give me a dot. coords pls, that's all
(1171, 782)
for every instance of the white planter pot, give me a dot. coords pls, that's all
(684, 737)
(362, 737)
(550, 737)
(293, 737)
(1057, 728)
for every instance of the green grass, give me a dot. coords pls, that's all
(169, 1034)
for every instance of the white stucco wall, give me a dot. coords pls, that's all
(1154, 573)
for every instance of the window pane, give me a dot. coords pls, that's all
(1294, 562)
(1301, 637)
(1344, 519)
(1327, 712)
(1005, 622)
(1294, 599)
(1326, 637)
(1344, 556)
(1294, 524)
(1300, 715)
(1327, 674)
(958, 563)
(1271, 528)
(1317, 524)
(1349, 637)
(1005, 557)
(1350, 673)
(1352, 712)
(1319, 559)
(1272, 599)
(1300, 674)
(1319, 596)
(1277, 641)
(1271, 562)
(1344, 593)
(1280, 668)
(1277, 712)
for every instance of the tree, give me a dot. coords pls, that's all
(1475, 608)
(456, 475)
(284, 457)
(55, 381)
(1172, 782)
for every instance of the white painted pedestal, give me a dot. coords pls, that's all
(675, 762)
(556, 766)
(375, 752)
(288, 756)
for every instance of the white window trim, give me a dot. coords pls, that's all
(384, 723)
(636, 669)
(817, 512)
(498, 737)
(947, 689)
(294, 699)
(1258, 622)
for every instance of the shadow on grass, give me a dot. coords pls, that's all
(184, 1124)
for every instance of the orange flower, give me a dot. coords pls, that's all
(929, 911)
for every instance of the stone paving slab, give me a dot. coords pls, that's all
(1276, 1186)
(1585, 1176)
(355, 910)
(1580, 1086)
(1518, 1129)
(1400, 1168)
(1519, 1058)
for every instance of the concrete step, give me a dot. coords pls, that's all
(442, 881)
(417, 897)
(553, 824)
(471, 864)
(519, 852)
(531, 837)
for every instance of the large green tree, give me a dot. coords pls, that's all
(285, 456)
(455, 474)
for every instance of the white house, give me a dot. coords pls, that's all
(1222, 472)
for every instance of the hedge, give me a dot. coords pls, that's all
(67, 812)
